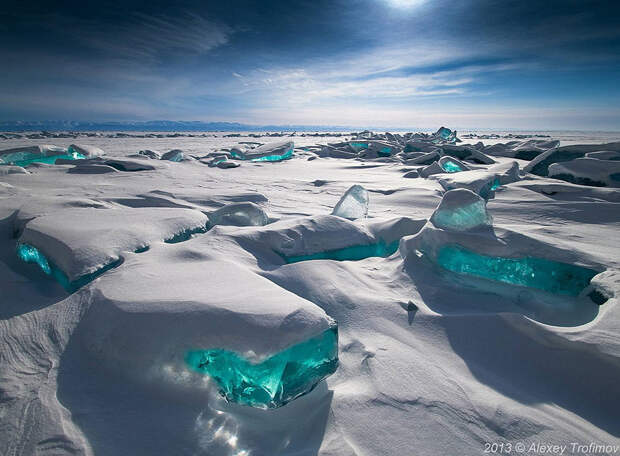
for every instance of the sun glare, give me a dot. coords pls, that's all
(404, 4)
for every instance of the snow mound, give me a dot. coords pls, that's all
(541, 281)
(132, 326)
(85, 150)
(604, 155)
(523, 150)
(81, 241)
(318, 237)
(540, 165)
(92, 168)
(128, 164)
(10, 169)
(588, 171)
(150, 154)
(221, 161)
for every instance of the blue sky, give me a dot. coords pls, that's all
(395, 63)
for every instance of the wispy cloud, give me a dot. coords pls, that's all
(145, 37)
(387, 76)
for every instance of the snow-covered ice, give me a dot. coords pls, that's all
(335, 295)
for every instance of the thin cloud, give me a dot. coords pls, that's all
(148, 38)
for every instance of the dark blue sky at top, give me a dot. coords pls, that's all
(498, 64)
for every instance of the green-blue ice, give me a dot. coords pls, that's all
(23, 160)
(353, 253)
(31, 254)
(547, 275)
(451, 167)
(275, 381)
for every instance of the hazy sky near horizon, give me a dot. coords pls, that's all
(551, 64)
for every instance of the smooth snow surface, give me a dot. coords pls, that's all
(158, 307)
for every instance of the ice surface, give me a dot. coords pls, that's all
(239, 214)
(550, 276)
(275, 381)
(104, 371)
(353, 204)
(461, 210)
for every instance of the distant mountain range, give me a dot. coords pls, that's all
(156, 125)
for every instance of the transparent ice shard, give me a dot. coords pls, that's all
(278, 151)
(275, 381)
(445, 134)
(461, 210)
(239, 214)
(352, 253)
(547, 275)
(353, 204)
(275, 157)
(451, 167)
(174, 155)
